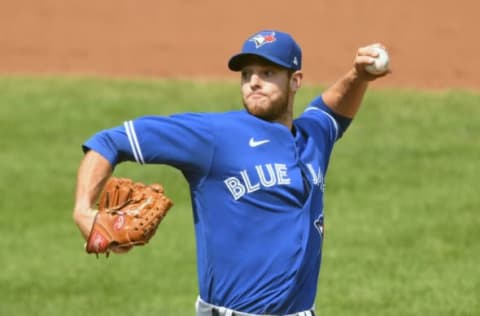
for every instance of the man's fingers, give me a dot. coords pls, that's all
(364, 60)
(369, 50)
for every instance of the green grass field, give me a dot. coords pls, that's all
(402, 211)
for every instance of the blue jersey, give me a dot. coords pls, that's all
(257, 198)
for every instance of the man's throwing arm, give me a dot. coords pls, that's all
(344, 97)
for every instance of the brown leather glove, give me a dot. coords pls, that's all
(128, 214)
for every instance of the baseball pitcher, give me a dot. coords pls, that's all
(256, 178)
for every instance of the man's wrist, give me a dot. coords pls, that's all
(84, 218)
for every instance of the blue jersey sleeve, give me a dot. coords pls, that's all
(334, 124)
(184, 141)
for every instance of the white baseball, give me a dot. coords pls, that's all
(381, 62)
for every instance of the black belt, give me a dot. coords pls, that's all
(216, 312)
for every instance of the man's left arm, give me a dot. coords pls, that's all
(344, 97)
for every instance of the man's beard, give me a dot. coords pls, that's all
(275, 112)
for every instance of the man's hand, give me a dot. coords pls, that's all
(366, 56)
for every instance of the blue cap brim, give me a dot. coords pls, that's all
(237, 62)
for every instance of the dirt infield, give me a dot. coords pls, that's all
(433, 44)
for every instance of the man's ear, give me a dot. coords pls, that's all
(296, 80)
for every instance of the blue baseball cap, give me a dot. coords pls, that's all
(275, 46)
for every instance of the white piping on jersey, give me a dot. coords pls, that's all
(132, 138)
(331, 117)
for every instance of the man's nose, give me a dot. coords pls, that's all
(255, 80)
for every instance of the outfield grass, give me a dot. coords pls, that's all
(402, 223)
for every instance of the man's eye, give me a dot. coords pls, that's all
(268, 73)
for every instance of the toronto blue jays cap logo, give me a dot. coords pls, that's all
(261, 39)
(283, 51)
